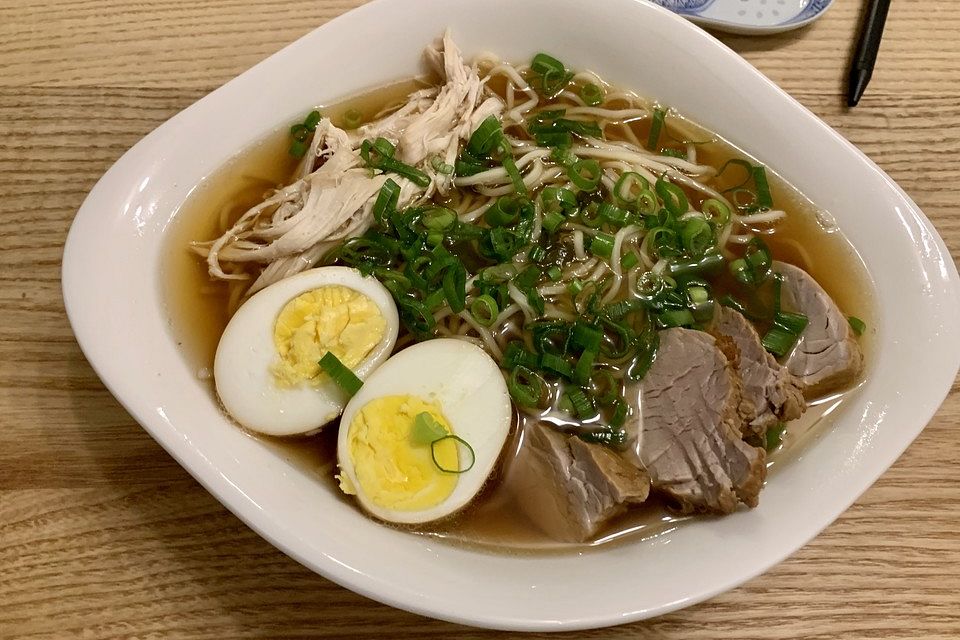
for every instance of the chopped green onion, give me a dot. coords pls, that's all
(543, 63)
(620, 412)
(504, 212)
(558, 199)
(426, 430)
(591, 94)
(585, 174)
(575, 287)
(433, 453)
(676, 318)
(552, 221)
(793, 322)
(510, 165)
(696, 236)
(740, 270)
(646, 353)
(716, 211)
(342, 376)
(554, 77)
(517, 355)
(537, 254)
(439, 218)
(653, 140)
(764, 200)
(455, 287)
(528, 278)
(486, 137)
(606, 388)
(584, 367)
(554, 273)
(556, 363)
(590, 215)
(602, 245)
(386, 200)
(786, 330)
(412, 174)
(673, 153)
(774, 436)
(298, 148)
(858, 325)
(624, 187)
(614, 215)
(440, 166)
(674, 199)
(647, 203)
(586, 336)
(352, 119)
(708, 263)
(416, 316)
(312, 120)
(779, 341)
(629, 260)
(554, 139)
(484, 310)
(582, 404)
(564, 157)
(525, 387)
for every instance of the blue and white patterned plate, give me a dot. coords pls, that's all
(749, 16)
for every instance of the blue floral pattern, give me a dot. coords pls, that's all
(684, 6)
(697, 7)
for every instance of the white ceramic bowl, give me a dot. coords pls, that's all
(111, 286)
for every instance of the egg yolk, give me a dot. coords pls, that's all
(391, 469)
(331, 318)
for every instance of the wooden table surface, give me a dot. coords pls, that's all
(103, 535)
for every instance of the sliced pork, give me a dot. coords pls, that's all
(691, 444)
(827, 356)
(770, 393)
(571, 488)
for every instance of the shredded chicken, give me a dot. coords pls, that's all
(334, 194)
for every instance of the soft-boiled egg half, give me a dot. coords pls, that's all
(267, 370)
(418, 441)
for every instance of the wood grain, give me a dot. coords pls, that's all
(102, 535)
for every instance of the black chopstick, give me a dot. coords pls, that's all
(861, 68)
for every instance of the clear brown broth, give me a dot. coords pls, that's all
(198, 314)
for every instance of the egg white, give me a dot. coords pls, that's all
(469, 387)
(242, 367)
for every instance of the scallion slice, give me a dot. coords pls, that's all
(557, 364)
(386, 201)
(696, 236)
(653, 140)
(352, 119)
(629, 260)
(342, 376)
(591, 94)
(484, 310)
(674, 199)
(582, 404)
(628, 183)
(585, 174)
(525, 387)
(486, 137)
(602, 245)
(716, 211)
(426, 430)
(552, 221)
(858, 325)
(459, 440)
